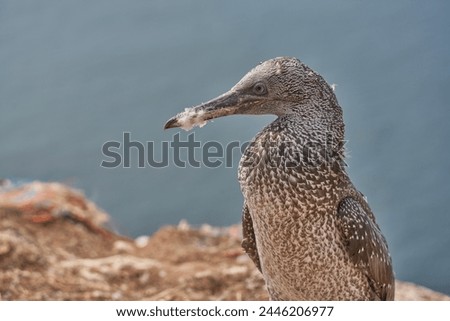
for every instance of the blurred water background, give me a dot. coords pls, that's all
(76, 74)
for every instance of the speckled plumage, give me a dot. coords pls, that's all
(305, 226)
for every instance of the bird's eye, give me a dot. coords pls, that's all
(259, 89)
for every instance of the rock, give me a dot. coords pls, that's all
(44, 256)
(406, 291)
(141, 241)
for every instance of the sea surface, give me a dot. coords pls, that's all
(75, 75)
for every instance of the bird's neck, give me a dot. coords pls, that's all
(308, 145)
(294, 153)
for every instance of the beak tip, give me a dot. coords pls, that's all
(171, 123)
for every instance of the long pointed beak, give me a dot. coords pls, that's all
(224, 105)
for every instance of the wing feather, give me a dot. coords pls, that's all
(366, 246)
(248, 237)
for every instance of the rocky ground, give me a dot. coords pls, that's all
(53, 247)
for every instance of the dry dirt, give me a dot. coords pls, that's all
(52, 247)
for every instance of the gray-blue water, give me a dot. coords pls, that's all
(75, 74)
